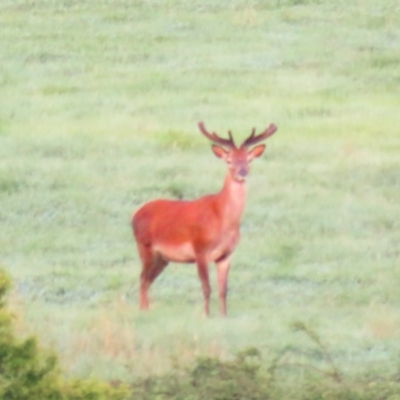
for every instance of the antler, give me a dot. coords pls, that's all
(253, 139)
(215, 138)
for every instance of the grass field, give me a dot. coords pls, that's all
(98, 111)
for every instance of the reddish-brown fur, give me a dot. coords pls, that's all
(200, 231)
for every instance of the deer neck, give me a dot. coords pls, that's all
(232, 199)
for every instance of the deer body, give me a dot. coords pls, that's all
(199, 231)
(179, 230)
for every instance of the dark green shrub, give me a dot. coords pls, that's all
(29, 373)
(210, 379)
(237, 379)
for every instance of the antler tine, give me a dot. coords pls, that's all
(215, 138)
(231, 138)
(252, 139)
(253, 132)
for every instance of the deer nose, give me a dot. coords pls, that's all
(243, 172)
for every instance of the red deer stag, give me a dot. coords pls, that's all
(200, 231)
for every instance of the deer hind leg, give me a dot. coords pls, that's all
(202, 269)
(152, 266)
(223, 267)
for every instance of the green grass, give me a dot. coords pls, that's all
(98, 114)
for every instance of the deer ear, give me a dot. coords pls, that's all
(256, 151)
(219, 151)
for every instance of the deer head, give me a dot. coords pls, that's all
(238, 158)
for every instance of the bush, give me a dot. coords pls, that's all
(211, 379)
(29, 373)
(247, 378)
(237, 379)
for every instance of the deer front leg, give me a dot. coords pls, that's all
(223, 267)
(202, 269)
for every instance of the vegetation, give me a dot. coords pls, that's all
(27, 372)
(98, 113)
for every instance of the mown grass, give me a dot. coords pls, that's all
(98, 115)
